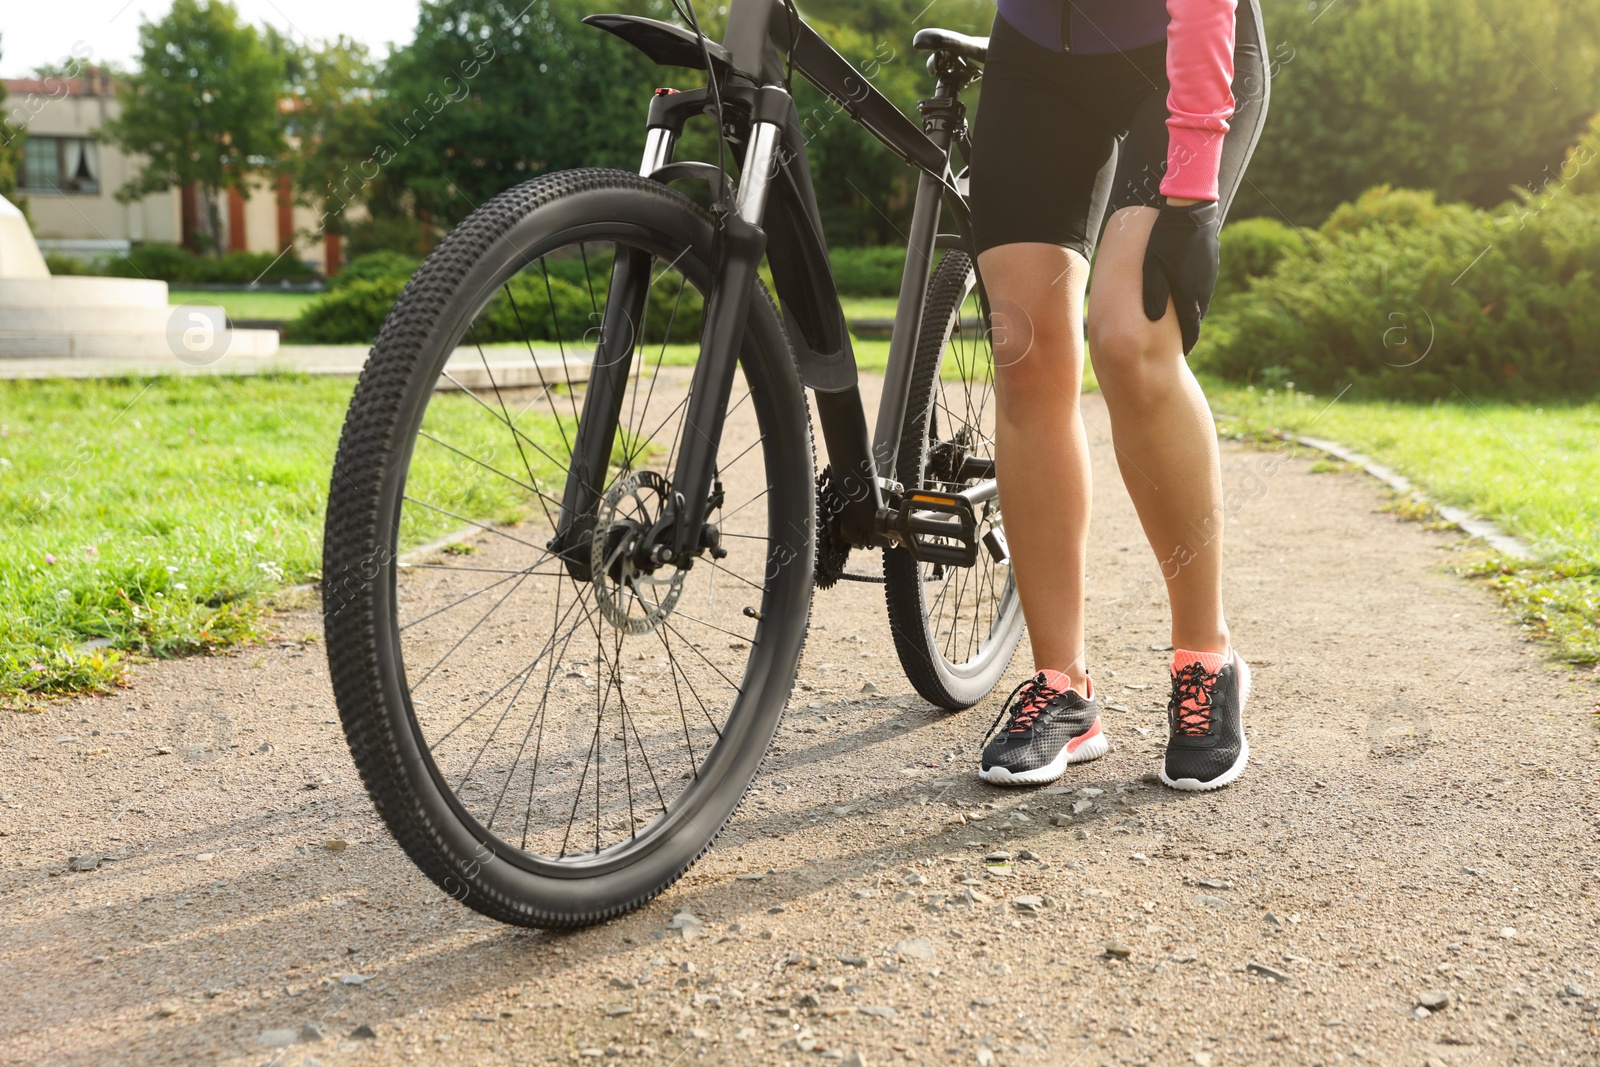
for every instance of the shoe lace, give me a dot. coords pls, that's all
(1189, 707)
(1025, 704)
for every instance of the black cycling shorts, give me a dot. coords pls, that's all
(1059, 137)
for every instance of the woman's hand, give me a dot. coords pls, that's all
(1181, 260)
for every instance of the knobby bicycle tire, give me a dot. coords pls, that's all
(361, 583)
(950, 665)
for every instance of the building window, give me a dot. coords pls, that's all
(60, 165)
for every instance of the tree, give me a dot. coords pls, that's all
(1466, 99)
(1580, 169)
(865, 193)
(333, 126)
(203, 107)
(11, 138)
(493, 92)
(547, 92)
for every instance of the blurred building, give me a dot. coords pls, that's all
(70, 181)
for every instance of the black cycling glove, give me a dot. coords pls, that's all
(1181, 259)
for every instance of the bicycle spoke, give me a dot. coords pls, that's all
(696, 650)
(493, 608)
(672, 320)
(747, 503)
(713, 626)
(525, 572)
(477, 570)
(555, 319)
(961, 608)
(536, 717)
(683, 714)
(644, 756)
(493, 470)
(673, 663)
(460, 600)
(720, 569)
(746, 452)
(561, 695)
(544, 704)
(566, 373)
(507, 684)
(470, 522)
(516, 433)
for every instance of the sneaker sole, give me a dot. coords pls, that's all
(1090, 745)
(1227, 777)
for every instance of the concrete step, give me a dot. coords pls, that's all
(507, 368)
(71, 292)
(155, 349)
(86, 320)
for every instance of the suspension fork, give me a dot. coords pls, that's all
(740, 244)
(596, 433)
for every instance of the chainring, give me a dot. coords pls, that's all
(833, 552)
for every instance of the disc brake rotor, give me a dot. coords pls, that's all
(633, 600)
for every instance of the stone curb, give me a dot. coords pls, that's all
(1468, 523)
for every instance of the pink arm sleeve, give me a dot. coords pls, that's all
(1200, 101)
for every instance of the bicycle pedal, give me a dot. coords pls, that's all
(938, 527)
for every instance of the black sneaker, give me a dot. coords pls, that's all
(1206, 747)
(1051, 725)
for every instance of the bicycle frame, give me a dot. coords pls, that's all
(773, 212)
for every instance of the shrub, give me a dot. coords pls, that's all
(374, 266)
(354, 310)
(580, 270)
(1421, 94)
(535, 310)
(561, 300)
(351, 314)
(238, 268)
(1384, 209)
(1410, 299)
(1251, 248)
(170, 263)
(65, 266)
(868, 271)
(565, 305)
(683, 312)
(167, 263)
(1579, 172)
(387, 233)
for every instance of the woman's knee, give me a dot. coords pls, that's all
(1036, 294)
(1134, 361)
(1036, 360)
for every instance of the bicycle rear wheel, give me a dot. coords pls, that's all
(555, 736)
(954, 627)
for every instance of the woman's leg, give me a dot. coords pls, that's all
(1164, 435)
(1041, 452)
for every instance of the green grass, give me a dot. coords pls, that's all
(872, 357)
(263, 305)
(159, 515)
(868, 307)
(1534, 470)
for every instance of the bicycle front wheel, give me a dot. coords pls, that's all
(555, 730)
(954, 627)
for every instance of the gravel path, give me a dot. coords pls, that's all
(1418, 827)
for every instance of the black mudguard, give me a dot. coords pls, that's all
(796, 250)
(798, 255)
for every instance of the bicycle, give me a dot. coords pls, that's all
(562, 633)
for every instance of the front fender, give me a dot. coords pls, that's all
(663, 43)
